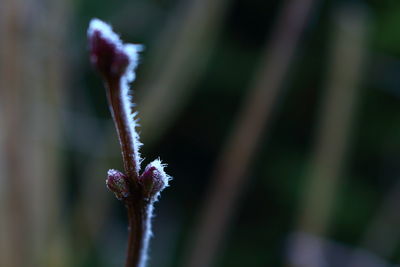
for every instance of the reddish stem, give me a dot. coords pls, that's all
(116, 63)
(122, 125)
(137, 207)
(138, 228)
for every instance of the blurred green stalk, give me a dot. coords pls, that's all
(337, 110)
(230, 174)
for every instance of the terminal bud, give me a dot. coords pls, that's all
(112, 58)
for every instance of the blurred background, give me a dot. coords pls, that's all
(279, 121)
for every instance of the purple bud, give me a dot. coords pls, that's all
(154, 179)
(112, 58)
(110, 61)
(117, 183)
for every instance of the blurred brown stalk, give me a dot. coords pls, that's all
(229, 177)
(179, 59)
(31, 84)
(338, 106)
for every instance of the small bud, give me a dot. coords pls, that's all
(154, 179)
(109, 59)
(108, 54)
(116, 183)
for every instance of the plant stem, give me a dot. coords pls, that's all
(114, 96)
(139, 210)
(116, 63)
(138, 230)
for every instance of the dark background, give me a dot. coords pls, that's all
(319, 188)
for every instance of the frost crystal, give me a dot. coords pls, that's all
(154, 179)
(116, 182)
(108, 53)
(117, 62)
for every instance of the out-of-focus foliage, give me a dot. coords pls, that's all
(267, 213)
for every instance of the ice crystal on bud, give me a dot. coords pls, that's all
(116, 62)
(154, 179)
(112, 58)
(116, 182)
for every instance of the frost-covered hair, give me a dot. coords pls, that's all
(130, 50)
(154, 179)
(160, 167)
(116, 60)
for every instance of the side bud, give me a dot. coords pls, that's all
(154, 179)
(116, 183)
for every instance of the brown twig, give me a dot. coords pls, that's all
(116, 63)
(122, 127)
(136, 216)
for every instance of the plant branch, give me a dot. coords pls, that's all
(116, 62)
(138, 215)
(121, 121)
